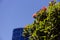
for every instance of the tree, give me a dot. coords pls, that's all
(46, 25)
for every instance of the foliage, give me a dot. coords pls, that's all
(46, 25)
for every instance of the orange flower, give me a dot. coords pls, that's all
(34, 15)
(44, 8)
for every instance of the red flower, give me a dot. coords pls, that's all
(34, 15)
(44, 8)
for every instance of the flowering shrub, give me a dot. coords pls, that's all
(34, 15)
(46, 26)
(44, 8)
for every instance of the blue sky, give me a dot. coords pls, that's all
(17, 14)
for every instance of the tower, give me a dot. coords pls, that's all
(17, 34)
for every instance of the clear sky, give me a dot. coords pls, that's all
(17, 14)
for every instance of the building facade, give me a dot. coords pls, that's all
(17, 34)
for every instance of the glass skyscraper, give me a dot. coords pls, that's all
(17, 34)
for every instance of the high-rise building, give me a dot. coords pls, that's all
(17, 34)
